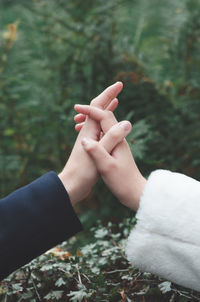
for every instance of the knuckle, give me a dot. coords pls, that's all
(89, 110)
(111, 166)
(93, 147)
(108, 114)
(108, 168)
(104, 170)
(93, 102)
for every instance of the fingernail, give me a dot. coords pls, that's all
(119, 82)
(125, 125)
(85, 142)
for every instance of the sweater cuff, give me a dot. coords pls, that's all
(165, 240)
(34, 219)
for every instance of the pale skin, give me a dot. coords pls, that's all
(80, 173)
(116, 165)
(108, 155)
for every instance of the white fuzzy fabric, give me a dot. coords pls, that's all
(166, 238)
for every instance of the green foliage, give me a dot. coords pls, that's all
(98, 271)
(54, 54)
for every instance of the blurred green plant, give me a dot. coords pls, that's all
(54, 54)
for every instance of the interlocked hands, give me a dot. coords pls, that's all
(101, 148)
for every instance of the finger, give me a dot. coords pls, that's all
(105, 117)
(78, 127)
(115, 135)
(104, 99)
(113, 105)
(93, 112)
(101, 157)
(79, 118)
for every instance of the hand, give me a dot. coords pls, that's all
(116, 166)
(80, 173)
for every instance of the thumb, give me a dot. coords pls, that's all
(102, 159)
(99, 151)
(115, 135)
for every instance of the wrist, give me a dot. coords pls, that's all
(137, 191)
(77, 185)
(140, 188)
(71, 185)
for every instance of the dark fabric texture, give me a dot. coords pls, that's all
(34, 219)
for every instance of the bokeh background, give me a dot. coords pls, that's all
(54, 54)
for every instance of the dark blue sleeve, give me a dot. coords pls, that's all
(33, 219)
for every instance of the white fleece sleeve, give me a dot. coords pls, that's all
(166, 238)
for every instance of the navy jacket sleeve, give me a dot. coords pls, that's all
(33, 219)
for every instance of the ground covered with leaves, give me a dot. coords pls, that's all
(98, 271)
